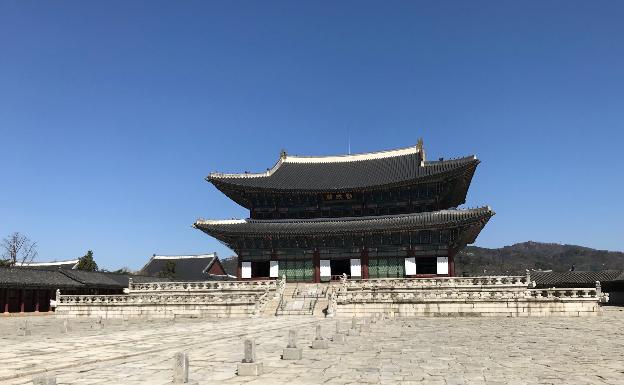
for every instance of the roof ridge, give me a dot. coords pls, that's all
(190, 256)
(285, 158)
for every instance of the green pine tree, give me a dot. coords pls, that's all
(87, 263)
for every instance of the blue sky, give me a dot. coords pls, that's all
(112, 113)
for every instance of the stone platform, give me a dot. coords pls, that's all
(439, 351)
(511, 296)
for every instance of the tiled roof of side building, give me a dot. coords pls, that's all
(187, 267)
(345, 172)
(575, 278)
(105, 279)
(321, 226)
(27, 277)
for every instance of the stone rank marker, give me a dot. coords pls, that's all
(292, 352)
(319, 342)
(24, 329)
(365, 326)
(354, 331)
(339, 338)
(65, 326)
(181, 369)
(249, 366)
(98, 324)
(44, 380)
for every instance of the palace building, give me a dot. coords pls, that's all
(374, 215)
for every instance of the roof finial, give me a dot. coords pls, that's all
(283, 154)
(419, 144)
(421, 151)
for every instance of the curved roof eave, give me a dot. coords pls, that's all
(431, 170)
(320, 226)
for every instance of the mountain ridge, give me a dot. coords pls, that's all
(531, 255)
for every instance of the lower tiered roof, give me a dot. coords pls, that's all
(224, 229)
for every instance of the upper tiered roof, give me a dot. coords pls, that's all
(345, 172)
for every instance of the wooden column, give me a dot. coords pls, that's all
(22, 295)
(50, 294)
(317, 266)
(36, 300)
(451, 262)
(239, 267)
(6, 300)
(364, 262)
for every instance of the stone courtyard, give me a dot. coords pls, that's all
(438, 350)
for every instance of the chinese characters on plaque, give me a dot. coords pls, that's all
(338, 196)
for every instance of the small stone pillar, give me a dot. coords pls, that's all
(65, 326)
(24, 329)
(292, 352)
(98, 324)
(354, 331)
(339, 337)
(44, 380)
(319, 342)
(598, 289)
(365, 326)
(249, 366)
(181, 369)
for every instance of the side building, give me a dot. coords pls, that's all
(374, 215)
(200, 267)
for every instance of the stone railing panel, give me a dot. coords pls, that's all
(202, 286)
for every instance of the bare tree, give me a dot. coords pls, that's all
(17, 249)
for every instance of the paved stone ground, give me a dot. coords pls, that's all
(423, 350)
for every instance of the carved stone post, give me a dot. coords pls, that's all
(65, 326)
(292, 352)
(249, 366)
(319, 342)
(24, 329)
(181, 369)
(339, 337)
(354, 331)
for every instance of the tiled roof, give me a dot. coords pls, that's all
(187, 267)
(322, 226)
(27, 277)
(345, 172)
(61, 278)
(105, 279)
(575, 278)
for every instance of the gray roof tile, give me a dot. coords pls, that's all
(414, 221)
(344, 175)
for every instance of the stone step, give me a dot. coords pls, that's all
(271, 307)
(321, 306)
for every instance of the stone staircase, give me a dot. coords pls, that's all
(302, 299)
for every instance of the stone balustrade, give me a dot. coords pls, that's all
(455, 295)
(172, 299)
(503, 296)
(161, 305)
(161, 299)
(475, 283)
(203, 286)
